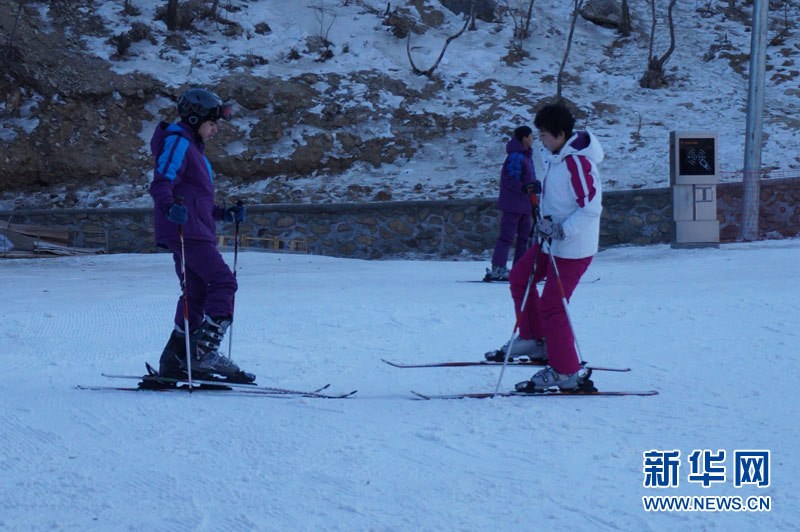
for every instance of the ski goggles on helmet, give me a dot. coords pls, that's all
(219, 112)
(224, 111)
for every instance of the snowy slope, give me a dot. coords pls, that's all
(603, 71)
(603, 82)
(715, 331)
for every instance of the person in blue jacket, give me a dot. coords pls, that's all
(183, 196)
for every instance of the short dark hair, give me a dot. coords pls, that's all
(555, 119)
(521, 132)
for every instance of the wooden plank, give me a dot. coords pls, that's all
(269, 243)
(39, 231)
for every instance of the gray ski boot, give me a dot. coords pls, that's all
(534, 350)
(207, 359)
(497, 273)
(548, 378)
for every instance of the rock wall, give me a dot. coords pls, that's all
(436, 229)
(779, 215)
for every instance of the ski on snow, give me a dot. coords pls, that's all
(464, 364)
(489, 395)
(216, 389)
(505, 281)
(158, 384)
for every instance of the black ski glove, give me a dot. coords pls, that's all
(237, 214)
(532, 188)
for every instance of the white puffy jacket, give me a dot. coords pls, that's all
(572, 195)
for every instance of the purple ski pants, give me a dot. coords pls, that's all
(210, 284)
(512, 225)
(544, 316)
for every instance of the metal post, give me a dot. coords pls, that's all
(755, 120)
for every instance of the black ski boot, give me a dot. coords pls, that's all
(172, 363)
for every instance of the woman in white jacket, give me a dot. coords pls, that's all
(570, 206)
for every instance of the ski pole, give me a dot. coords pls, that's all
(233, 299)
(536, 215)
(564, 301)
(186, 331)
(516, 322)
(535, 202)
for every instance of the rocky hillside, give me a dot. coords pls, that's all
(328, 107)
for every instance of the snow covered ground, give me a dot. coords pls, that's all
(715, 331)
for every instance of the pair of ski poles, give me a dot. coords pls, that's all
(184, 295)
(539, 243)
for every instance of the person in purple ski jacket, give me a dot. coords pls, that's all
(517, 183)
(183, 196)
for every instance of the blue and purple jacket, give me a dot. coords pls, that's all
(182, 172)
(517, 172)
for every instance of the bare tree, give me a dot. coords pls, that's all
(321, 12)
(654, 76)
(781, 36)
(129, 9)
(560, 78)
(17, 18)
(521, 18)
(625, 22)
(172, 15)
(528, 19)
(428, 73)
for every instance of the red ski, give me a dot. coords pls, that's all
(489, 395)
(464, 364)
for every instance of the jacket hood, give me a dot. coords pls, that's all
(582, 143)
(515, 146)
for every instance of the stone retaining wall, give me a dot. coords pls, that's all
(445, 228)
(779, 215)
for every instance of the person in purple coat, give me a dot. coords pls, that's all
(183, 197)
(517, 183)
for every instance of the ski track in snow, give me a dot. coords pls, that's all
(712, 330)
